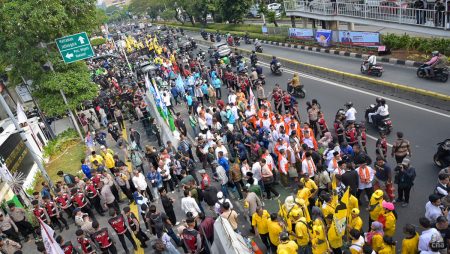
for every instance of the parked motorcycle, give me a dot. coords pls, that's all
(384, 125)
(442, 156)
(276, 69)
(258, 49)
(376, 70)
(440, 74)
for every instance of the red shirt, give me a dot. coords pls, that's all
(91, 191)
(63, 201)
(40, 213)
(86, 245)
(68, 248)
(79, 200)
(51, 209)
(102, 238)
(118, 224)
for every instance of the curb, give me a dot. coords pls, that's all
(343, 53)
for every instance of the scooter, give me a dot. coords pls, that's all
(230, 41)
(247, 40)
(258, 49)
(218, 38)
(384, 125)
(262, 78)
(211, 38)
(440, 74)
(299, 91)
(442, 156)
(237, 41)
(276, 69)
(376, 70)
(205, 36)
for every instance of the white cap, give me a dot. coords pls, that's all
(219, 195)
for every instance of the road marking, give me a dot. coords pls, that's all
(358, 90)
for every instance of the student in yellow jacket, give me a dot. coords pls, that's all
(355, 221)
(410, 244)
(334, 239)
(319, 241)
(275, 227)
(388, 246)
(375, 237)
(375, 206)
(286, 244)
(389, 219)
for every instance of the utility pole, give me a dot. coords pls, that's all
(36, 159)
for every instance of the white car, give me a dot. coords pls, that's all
(274, 6)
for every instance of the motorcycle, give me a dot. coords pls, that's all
(262, 78)
(218, 38)
(205, 36)
(385, 125)
(440, 74)
(230, 41)
(376, 70)
(258, 49)
(299, 91)
(233, 61)
(247, 40)
(276, 69)
(211, 38)
(442, 156)
(253, 61)
(237, 41)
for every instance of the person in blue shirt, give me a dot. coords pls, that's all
(204, 88)
(174, 92)
(230, 116)
(217, 83)
(156, 181)
(189, 102)
(45, 192)
(241, 149)
(86, 169)
(223, 161)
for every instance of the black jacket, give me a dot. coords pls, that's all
(210, 195)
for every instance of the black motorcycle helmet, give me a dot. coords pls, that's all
(253, 51)
(349, 104)
(274, 57)
(284, 236)
(378, 99)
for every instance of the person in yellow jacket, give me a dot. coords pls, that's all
(357, 242)
(302, 233)
(375, 206)
(388, 245)
(259, 222)
(275, 227)
(303, 193)
(410, 244)
(389, 218)
(286, 244)
(355, 221)
(375, 236)
(334, 239)
(318, 239)
(328, 207)
(109, 161)
(353, 203)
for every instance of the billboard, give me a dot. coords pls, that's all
(323, 37)
(299, 33)
(359, 38)
(16, 155)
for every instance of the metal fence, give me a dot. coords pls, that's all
(395, 14)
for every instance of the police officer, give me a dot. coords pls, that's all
(8, 228)
(67, 247)
(64, 202)
(135, 227)
(53, 213)
(85, 243)
(117, 222)
(18, 216)
(79, 201)
(101, 237)
(94, 198)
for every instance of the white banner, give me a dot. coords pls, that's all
(51, 246)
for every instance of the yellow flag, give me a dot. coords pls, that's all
(341, 214)
(333, 182)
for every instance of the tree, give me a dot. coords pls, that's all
(153, 8)
(234, 10)
(26, 24)
(271, 16)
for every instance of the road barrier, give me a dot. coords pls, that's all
(418, 95)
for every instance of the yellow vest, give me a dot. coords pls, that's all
(302, 232)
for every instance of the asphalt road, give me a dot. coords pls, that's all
(392, 73)
(422, 126)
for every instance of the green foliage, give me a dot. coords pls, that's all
(421, 44)
(271, 17)
(98, 41)
(234, 10)
(60, 143)
(168, 14)
(116, 13)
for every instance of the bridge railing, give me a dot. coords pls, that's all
(389, 13)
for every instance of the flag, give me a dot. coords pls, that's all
(147, 82)
(159, 101)
(333, 182)
(251, 99)
(47, 233)
(21, 116)
(341, 214)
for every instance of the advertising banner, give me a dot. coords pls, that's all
(323, 37)
(299, 33)
(359, 38)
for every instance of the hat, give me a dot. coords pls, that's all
(101, 147)
(219, 195)
(202, 171)
(355, 211)
(280, 139)
(388, 205)
(405, 162)
(378, 194)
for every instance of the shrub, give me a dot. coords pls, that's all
(98, 41)
(60, 143)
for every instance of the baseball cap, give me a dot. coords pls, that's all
(405, 162)
(202, 171)
(355, 211)
(378, 194)
(219, 195)
(388, 205)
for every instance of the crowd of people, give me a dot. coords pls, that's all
(247, 146)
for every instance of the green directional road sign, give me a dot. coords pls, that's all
(75, 47)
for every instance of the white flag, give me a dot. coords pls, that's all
(21, 116)
(51, 246)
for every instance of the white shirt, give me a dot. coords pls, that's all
(222, 175)
(232, 98)
(309, 142)
(188, 204)
(140, 182)
(425, 237)
(167, 100)
(234, 109)
(308, 165)
(219, 203)
(256, 170)
(383, 110)
(223, 149)
(362, 185)
(432, 212)
(372, 59)
(208, 118)
(331, 167)
(350, 115)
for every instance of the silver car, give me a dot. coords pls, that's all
(222, 47)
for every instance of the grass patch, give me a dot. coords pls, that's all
(67, 161)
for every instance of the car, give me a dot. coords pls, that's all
(222, 47)
(158, 27)
(274, 6)
(254, 11)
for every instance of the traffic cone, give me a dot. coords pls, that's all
(256, 249)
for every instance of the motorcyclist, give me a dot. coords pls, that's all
(350, 114)
(294, 83)
(441, 63)
(253, 58)
(253, 75)
(371, 61)
(241, 65)
(381, 113)
(257, 44)
(429, 69)
(274, 61)
(230, 39)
